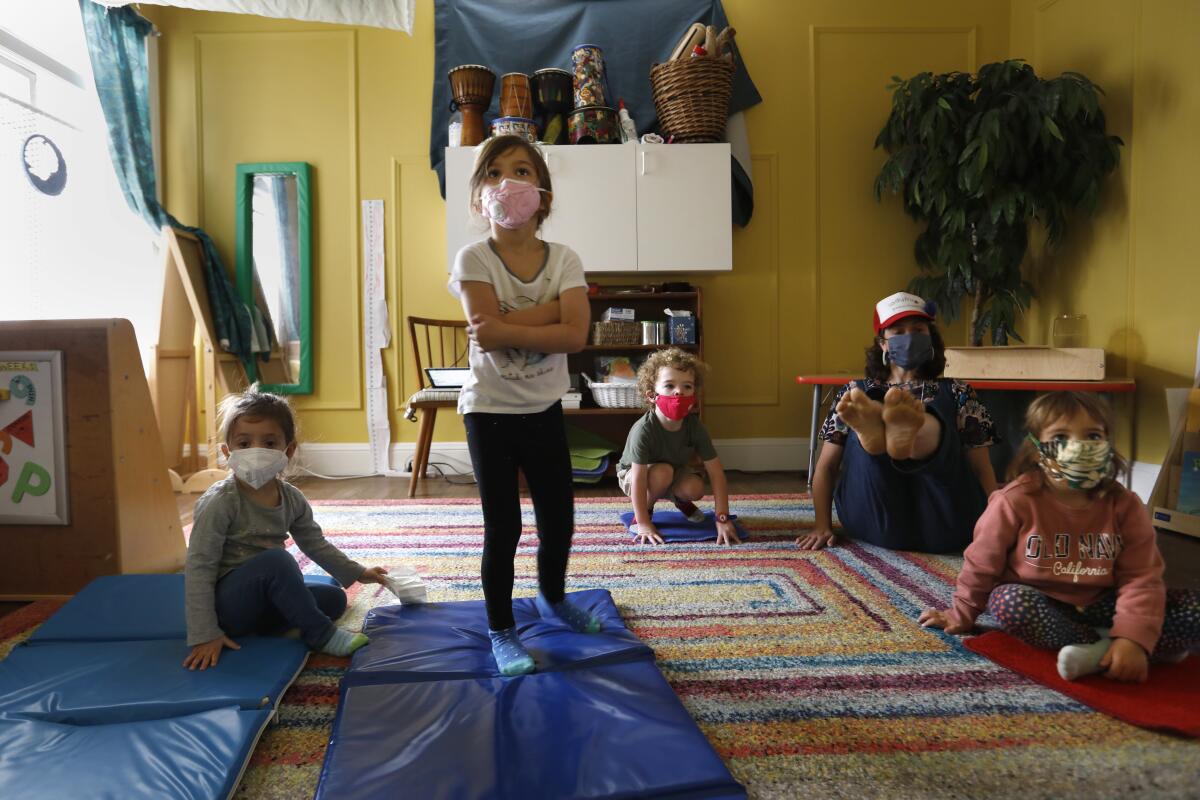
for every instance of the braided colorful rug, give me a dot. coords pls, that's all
(806, 670)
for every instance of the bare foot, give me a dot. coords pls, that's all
(903, 416)
(865, 417)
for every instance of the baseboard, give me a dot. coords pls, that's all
(354, 458)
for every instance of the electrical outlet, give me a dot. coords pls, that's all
(408, 466)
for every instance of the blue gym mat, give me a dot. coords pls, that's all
(97, 703)
(424, 712)
(437, 641)
(673, 526)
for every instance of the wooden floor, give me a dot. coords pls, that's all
(1181, 553)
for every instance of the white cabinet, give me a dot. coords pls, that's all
(623, 208)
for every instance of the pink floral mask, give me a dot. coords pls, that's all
(511, 204)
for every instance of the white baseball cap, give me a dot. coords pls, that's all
(897, 306)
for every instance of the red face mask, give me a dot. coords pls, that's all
(675, 407)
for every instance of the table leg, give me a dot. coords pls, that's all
(812, 433)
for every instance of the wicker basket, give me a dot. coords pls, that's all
(617, 331)
(691, 96)
(615, 395)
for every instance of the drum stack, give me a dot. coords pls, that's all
(565, 107)
(516, 108)
(593, 121)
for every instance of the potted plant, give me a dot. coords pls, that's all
(977, 158)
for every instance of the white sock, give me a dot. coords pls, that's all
(1077, 660)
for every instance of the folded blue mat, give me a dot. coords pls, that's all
(101, 683)
(423, 713)
(673, 526)
(97, 702)
(449, 640)
(193, 757)
(611, 731)
(125, 608)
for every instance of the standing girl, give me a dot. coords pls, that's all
(1066, 558)
(239, 579)
(526, 305)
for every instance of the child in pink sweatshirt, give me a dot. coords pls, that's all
(1066, 558)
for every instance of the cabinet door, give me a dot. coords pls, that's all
(462, 227)
(594, 211)
(683, 207)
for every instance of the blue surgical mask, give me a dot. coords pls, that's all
(909, 350)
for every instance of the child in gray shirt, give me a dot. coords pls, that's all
(239, 579)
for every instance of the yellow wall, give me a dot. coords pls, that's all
(355, 103)
(1133, 269)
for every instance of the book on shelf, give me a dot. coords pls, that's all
(572, 399)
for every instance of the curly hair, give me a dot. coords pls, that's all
(877, 370)
(682, 360)
(256, 403)
(1052, 406)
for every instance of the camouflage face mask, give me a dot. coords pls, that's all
(1081, 464)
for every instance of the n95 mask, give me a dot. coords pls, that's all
(257, 465)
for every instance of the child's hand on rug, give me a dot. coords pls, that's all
(207, 654)
(727, 533)
(648, 534)
(932, 618)
(373, 575)
(816, 539)
(1125, 661)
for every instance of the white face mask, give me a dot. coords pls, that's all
(257, 465)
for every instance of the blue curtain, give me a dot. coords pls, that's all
(116, 46)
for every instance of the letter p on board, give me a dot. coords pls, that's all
(34, 480)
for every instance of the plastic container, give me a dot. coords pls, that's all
(628, 129)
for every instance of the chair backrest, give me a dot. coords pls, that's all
(437, 343)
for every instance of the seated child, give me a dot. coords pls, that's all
(1065, 558)
(658, 457)
(239, 579)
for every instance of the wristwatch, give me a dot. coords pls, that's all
(725, 517)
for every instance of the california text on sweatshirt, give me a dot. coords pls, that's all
(1028, 536)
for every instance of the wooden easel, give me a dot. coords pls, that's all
(186, 312)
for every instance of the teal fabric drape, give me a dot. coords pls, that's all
(117, 49)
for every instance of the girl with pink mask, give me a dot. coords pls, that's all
(526, 306)
(660, 453)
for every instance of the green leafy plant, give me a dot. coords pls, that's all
(978, 158)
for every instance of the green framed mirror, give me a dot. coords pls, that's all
(274, 271)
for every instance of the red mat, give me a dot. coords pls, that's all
(1168, 701)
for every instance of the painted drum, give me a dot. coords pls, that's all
(590, 81)
(515, 126)
(594, 125)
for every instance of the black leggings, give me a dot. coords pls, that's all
(537, 444)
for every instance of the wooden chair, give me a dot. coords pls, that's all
(436, 343)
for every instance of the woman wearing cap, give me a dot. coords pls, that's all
(911, 446)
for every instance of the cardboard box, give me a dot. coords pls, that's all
(617, 314)
(1026, 363)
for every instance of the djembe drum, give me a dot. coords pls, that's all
(552, 99)
(471, 89)
(515, 97)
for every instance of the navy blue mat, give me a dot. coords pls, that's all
(673, 526)
(424, 713)
(435, 641)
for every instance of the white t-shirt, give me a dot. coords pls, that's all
(512, 380)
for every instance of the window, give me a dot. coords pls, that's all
(72, 247)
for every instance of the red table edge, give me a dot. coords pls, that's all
(1115, 386)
